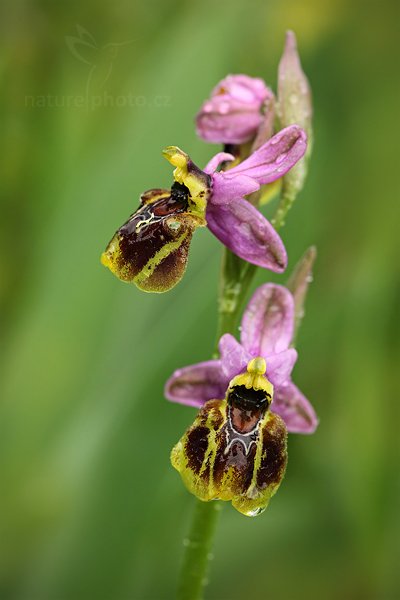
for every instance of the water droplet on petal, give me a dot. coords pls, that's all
(223, 108)
(255, 512)
(281, 158)
(173, 225)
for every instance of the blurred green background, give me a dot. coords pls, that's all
(90, 507)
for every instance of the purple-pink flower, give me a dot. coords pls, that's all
(229, 216)
(266, 331)
(151, 248)
(233, 113)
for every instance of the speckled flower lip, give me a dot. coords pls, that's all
(236, 448)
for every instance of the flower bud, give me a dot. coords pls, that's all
(294, 108)
(233, 114)
(294, 93)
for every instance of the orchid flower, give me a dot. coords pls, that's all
(151, 248)
(236, 448)
(266, 331)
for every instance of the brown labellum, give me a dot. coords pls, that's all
(151, 248)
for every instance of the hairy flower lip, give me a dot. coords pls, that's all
(266, 331)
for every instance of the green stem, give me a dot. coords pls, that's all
(236, 277)
(198, 548)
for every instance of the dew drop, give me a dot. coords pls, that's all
(223, 108)
(281, 158)
(255, 512)
(190, 544)
(174, 225)
(246, 230)
(303, 87)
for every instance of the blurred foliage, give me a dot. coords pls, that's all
(90, 507)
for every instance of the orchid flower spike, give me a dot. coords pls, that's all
(266, 331)
(233, 113)
(151, 248)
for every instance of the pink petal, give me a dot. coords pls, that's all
(245, 231)
(244, 88)
(216, 160)
(295, 409)
(224, 190)
(196, 384)
(268, 321)
(227, 121)
(234, 358)
(274, 158)
(280, 366)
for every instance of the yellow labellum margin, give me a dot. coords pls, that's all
(141, 278)
(236, 449)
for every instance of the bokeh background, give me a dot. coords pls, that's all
(90, 507)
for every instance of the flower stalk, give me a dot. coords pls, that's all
(236, 278)
(198, 547)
